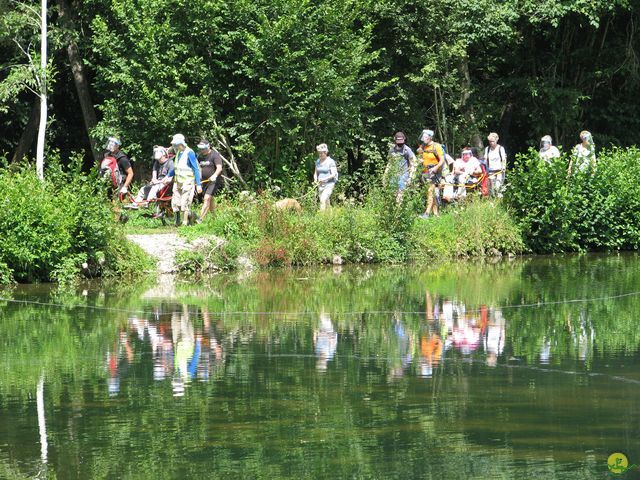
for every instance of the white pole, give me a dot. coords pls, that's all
(42, 426)
(43, 91)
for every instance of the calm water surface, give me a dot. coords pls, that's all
(521, 369)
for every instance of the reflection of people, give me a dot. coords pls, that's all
(431, 351)
(494, 337)
(184, 346)
(325, 339)
(117, 360)
(404, 342)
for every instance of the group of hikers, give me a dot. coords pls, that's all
(448, 179)
(178, 167)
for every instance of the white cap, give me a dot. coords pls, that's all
(115, 140)
(178, 139)
(159, 152)
(322, 148)
(429, 133)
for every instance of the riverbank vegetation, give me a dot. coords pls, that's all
(596, 209)
(376, 230)
(57, 229)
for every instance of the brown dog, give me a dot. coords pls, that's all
(288, 204)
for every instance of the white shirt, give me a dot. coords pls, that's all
(497, 157)
(469, 167)
(549, 154)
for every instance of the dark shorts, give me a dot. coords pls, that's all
(210, 188)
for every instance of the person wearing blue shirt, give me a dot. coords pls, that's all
(186, 174)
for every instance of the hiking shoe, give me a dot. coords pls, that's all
(424, 216)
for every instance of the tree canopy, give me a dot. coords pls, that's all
(278, 77)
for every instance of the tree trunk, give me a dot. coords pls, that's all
(29, 133)
(467, 110)
(42, 130)
(79, 77)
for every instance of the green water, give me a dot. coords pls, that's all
(520, 369)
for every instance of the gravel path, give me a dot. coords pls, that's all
(164, 246)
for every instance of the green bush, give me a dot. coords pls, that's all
(594, 209)
(51, 228)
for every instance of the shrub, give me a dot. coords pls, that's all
(51, 228)
(594, 209)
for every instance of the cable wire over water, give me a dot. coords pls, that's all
(304, 313)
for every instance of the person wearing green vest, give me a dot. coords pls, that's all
(186, 173)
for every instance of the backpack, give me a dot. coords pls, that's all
(444, 150)
(109, 170)
(486, 156)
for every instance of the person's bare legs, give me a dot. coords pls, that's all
(207, 205)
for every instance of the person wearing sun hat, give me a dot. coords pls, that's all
(547, 150)
(161, 174)
(325, 175)
(495, 159)
(584, 153)
(186, 174)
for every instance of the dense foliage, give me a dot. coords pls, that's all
(278, 77)
(50, 229)
(594, 209)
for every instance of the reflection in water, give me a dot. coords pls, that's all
(414, 345)
(403, 374)
(325, 339)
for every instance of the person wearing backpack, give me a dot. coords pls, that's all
(495, 159)
(433, 161)
(186, 174)
(116, 167)
(401, 165)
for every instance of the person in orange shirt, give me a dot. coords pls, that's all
(432, 164)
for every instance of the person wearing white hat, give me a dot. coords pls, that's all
(325, 175)
(547, 150)
(584, 153)
(162, 174)
(433, 164)
(186, 174)
(495, 159)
